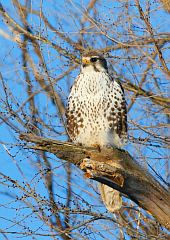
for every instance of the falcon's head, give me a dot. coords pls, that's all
(93, 62)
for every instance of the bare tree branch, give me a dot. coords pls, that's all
(166, 5)
(115, 168)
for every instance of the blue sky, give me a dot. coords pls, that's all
(16, 162)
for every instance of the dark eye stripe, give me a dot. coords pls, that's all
(93, 59)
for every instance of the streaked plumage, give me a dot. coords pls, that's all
(96, 114)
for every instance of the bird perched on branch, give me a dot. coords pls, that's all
(96, 114)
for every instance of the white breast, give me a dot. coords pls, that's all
(91, 101)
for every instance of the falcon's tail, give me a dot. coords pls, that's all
(111, 198)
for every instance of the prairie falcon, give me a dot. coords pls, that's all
(96, 114)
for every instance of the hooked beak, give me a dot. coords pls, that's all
(85, 61)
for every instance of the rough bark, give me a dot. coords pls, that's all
(115, 168)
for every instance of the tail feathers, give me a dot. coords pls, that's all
(111, 198)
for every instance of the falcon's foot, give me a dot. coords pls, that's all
(97, 146)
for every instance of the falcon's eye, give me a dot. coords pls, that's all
(93, 59)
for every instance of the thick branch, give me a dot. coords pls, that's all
(115, 168)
